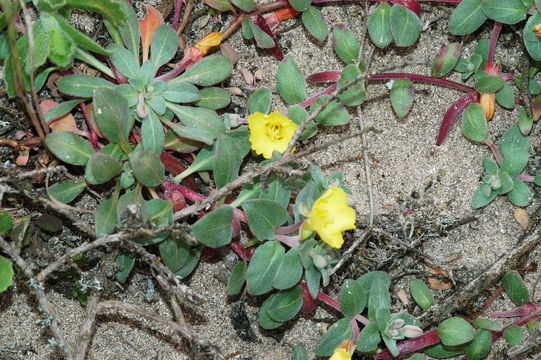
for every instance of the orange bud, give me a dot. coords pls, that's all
(208, 42)
(488, 102)
(286, 13)
(538, 29)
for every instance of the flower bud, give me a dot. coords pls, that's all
(488, 102)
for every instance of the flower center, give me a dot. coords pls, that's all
(274, 132)
(323, 216)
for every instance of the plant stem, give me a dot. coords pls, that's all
(495, 151)
(422, 78)
(493, 40)
(526, 178)
(336, 305)
(176, 16)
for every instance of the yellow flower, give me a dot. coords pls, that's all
(538, 29)
(269, 133)
(330, 215)
(343, 351)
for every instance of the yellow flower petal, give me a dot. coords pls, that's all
(340, 354)
(330, 215)
(269, 133)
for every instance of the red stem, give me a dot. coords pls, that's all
(495, 152)
(176, 16)
(313, 99)
(427, 339)
(93, 135)
(493, 40)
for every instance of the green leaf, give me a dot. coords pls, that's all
(262, 39)
(69, 148)
(286, 304)
(446, 59)
(160, 213)
(504, 11)
(313, 280)
(67, 191)
(367, 280)
(126, 262)
(369, 338)
(467, 17)
(355, 94)
(525, 122)
(260, 101)
(402, 96)
(346, 45)
(128, 198)
(61, 109)
(6, 273)
(152, 136)
(113, 116)
(455, 331)
(378, 298)
(228, 158)
(333, 115)
(106, 217)
(245, 5)
(513, 335)
(379, 25)
(485, 83)
(265, 321)
(513, 140)
(199, 118)
(101, 168)
(480, 197)
(531, 40)
(299, 353)
(191, 262)
(164, 45)
(352, 299)
(6, 222)
(290, 81)
(129, 29)
(237, 277)
(181, 92)
(174, 253)
(220, 5)
(147, 167)
(263, 267)
(314, 22)
(213, 98)
(80, 39)
(300, 5)
(247, 28)
(214, 229)
(62, 45)
(264, 216)
(290, 270)
(115, 151)
(82, 85)
(515, 288)
(208, 71)
(421, 294)
(405, 25)
(298, 114)
(538, 178)
(487, 324)
(277, 190)
(521, 195)
(111, 9)
(440, 351)
(505, 96)
(338, 332)
(474, 123)
(124, 60)
(515, 161)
